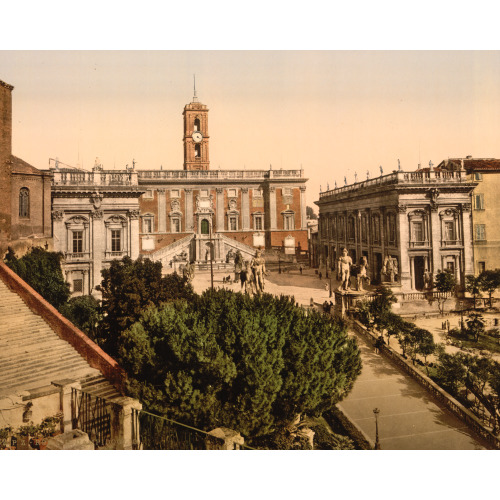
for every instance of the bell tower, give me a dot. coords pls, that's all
(196, 138)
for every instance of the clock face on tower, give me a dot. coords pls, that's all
(197, 137)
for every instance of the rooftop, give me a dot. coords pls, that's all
(471, 164)
(402, 178)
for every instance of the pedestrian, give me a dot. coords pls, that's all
(300, 269)
(320, 275)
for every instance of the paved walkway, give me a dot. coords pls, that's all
(409, 418)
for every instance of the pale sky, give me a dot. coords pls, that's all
(332, 112)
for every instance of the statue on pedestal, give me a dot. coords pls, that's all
(427, 280)
(390, 268)
(345, 263)
(362, 274)
(258, 266)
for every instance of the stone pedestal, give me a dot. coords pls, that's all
(232, 439)
(65, 387)
(72, 440)
(123, 423)
(346, 301)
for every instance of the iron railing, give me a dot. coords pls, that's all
(92, 415)
(152, 432)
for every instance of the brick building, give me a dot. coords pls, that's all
(421, 220)
(485, 172)
(193, 213)
(24, 191)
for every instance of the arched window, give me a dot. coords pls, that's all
(204, 226)
(197, 126)
(197, 151)
(24, 202)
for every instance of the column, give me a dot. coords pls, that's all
(403, 236)
(467, 239)
(225, 439)
(189, 209)
(382, 231)
(98, 246)
(272, 208)
(303, 212)
(123, 425)
(162, 211)
(245, 209)
(219, 222)
(65, 389)
(134, 234)
(435, 239)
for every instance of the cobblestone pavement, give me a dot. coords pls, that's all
(409, 418)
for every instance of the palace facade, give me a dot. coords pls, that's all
(418, 221)
(174, 216)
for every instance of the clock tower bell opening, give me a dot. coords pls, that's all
(196, 138)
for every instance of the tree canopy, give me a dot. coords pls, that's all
(128, 287)
(41, 269)
(248, 363)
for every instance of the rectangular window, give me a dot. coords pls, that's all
(233, 223)
(481, 266)
(78, 285)
(231, 193)
(417, 232)
(288, 222)
(258, 222)
(376, 229)
(176, 225)
(147, 224)
(479, 201)
(174, 193)
(116, 245)
(480, 232)
(77, 241)
(449, 231)
(478, 176)
(392, 229)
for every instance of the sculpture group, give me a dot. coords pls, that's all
(252, 274)
(344, 272)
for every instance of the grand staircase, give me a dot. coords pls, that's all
(32, 355)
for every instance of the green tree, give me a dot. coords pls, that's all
(451, 371)
(246, 363)
(85, 313)
(42, 271)
(445, 282)
(128, 287)
(475, 325)
(425, 345)
(489, 281)
(310, 213)
(473, 286)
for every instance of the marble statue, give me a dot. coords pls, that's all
(362, 274)
(258, 266)
(345, 263)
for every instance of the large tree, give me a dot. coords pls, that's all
(250, 364)
(128, 287)
(42, 271)
(489, 281)
(445, 282)
(473, 286)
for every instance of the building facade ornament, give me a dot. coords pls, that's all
(133, 214)
(97, 214)
(57, 215)
(96, 199)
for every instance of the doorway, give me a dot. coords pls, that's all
(204, 226)
(418, 270)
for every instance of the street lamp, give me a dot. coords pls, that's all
(376, 411)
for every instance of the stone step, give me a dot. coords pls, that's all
(16, 357)
(19, 335)
(45, 379)
(20, 364)
(47, 371)
(14, 346)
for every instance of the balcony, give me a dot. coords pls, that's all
(77, 256)
(451, 243)
(419, 244)
(114, 255)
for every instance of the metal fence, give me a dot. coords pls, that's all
(92, 415)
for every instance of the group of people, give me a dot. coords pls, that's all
(328, 307)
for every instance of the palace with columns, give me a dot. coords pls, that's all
(421, 220)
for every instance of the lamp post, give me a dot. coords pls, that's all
(461, 304)
(211, 258)
(279, 263)
(376, 411)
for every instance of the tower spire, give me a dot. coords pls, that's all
(195, 98)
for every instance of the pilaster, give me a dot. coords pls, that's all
(303, 211)
(245, 209)
(162, 211)
(189, 209)
(272, 208)
(219, 201)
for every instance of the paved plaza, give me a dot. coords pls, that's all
(409, 417)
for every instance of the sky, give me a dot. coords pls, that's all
(332, 113)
